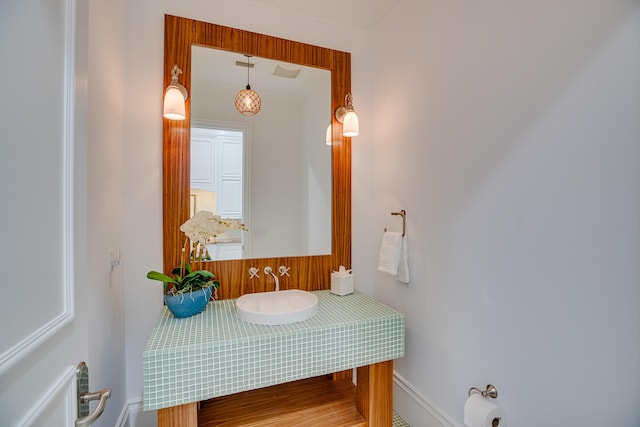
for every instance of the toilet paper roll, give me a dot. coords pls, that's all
(481, 412)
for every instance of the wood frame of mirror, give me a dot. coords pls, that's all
(306, 272)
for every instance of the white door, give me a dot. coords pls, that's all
(43, 333)
(203, 160)
(229, 166)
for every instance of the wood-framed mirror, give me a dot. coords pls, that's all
(305, 272)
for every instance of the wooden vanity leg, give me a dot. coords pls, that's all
(374, 394)
(343, 375)
(179, 416)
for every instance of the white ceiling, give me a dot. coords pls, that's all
(359, 13)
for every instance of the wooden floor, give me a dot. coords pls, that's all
(314, 402)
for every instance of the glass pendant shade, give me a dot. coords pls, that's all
(174, 108)
(350, 127)
(248, 102)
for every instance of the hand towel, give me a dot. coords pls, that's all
(393, 256)
(403, 267)
(390, 252)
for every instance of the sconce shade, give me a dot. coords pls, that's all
(347, 116)
(328, 137)
(174, 97)
(248, 102)
(350, 127)
(174, 108)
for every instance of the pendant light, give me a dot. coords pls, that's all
(248, 102)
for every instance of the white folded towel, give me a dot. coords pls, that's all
(393, 256)
(403, 268)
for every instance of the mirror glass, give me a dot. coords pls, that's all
(270, 171)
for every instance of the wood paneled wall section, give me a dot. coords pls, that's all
(307, 272)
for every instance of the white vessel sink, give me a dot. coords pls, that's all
(277, 308)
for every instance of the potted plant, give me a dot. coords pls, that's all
(187, 290)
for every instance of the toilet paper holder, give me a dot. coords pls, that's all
(491, 391)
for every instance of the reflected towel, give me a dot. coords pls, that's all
(393, 256)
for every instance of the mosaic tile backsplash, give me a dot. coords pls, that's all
(214, 353)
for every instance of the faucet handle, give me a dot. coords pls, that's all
(283, 270)
(253, 272)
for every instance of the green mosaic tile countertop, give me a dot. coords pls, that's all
(214, 353)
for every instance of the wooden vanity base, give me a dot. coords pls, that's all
(182, 415)
(315, 402)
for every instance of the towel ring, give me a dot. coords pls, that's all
(403, 214)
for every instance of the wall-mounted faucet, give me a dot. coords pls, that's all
(268, 270)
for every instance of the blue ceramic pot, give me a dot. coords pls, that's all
(188, 304)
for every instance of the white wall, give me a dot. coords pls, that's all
(509, 132)
(105, 184)
(143, 80)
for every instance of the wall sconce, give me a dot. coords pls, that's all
(248, 102)
(347, 116)
(174, 97)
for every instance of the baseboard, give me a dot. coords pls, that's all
(123, 419)
(415, 408)
(134, 415)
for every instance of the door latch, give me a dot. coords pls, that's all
(85, 418)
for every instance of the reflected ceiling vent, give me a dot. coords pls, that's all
(283, 72)
(244, 64)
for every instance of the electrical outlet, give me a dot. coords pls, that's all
(114, 259)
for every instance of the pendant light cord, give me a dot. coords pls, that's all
(248, 66)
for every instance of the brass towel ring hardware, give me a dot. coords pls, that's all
(403, 214)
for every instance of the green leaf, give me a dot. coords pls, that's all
(177, 273)
(198, 279)
(187, 267)
(155, 275)
(185, 279)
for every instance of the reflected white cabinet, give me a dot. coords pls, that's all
(224, 251)
(217, 167)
